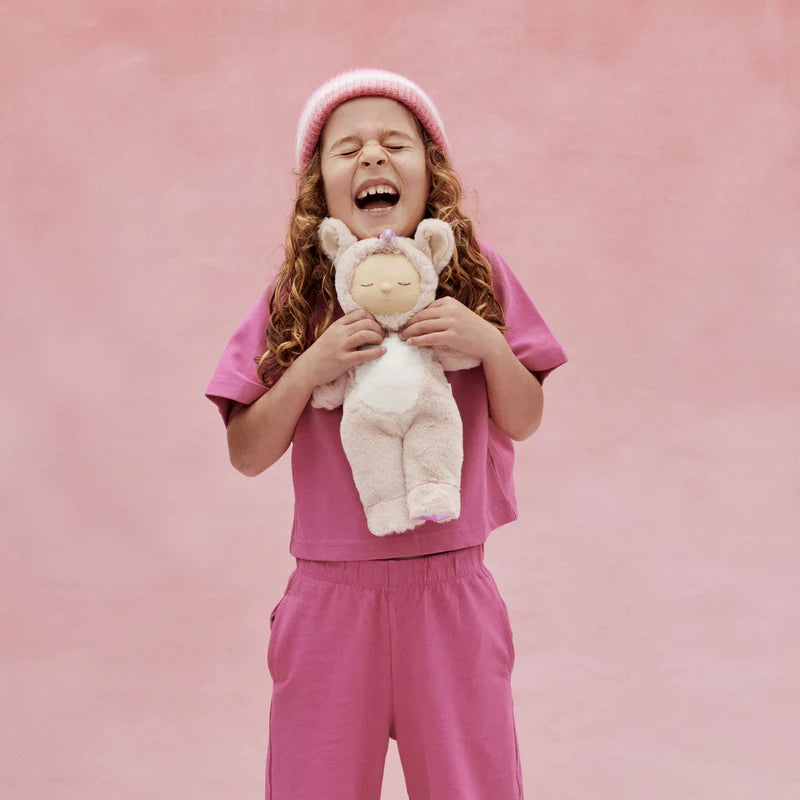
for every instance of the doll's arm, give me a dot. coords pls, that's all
(330, 395)
(451, 360)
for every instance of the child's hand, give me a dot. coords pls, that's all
(447, 321)
(336, 350)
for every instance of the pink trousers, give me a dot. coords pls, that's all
(419, 650)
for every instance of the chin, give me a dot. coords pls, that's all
(374, 228)
(365, 228)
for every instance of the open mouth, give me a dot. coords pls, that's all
(377, 197)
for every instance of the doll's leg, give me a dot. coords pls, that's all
(433, 452)
(374, 451)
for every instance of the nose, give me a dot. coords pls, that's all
(386, 287)
(372, 153)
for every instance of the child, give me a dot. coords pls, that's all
(361, 647)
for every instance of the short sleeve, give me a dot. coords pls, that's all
(236, 375)
(528, 335)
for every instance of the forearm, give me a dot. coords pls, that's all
(516, 398)
(261, 433)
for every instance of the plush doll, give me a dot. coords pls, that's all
(401, 429)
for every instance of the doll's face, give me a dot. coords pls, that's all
(385, 283)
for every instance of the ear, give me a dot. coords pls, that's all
(335, 237)
(434, 237)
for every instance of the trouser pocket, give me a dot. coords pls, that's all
(275, 618)
(504, 618)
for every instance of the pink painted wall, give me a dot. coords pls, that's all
(638, 165)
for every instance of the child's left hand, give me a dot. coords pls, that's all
(447, 321)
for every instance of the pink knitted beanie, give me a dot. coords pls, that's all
(363, 83)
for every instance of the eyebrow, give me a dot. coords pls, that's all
(384, 133)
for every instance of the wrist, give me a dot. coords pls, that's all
(496, 345)
(300, 374)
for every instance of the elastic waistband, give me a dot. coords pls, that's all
(377, 574)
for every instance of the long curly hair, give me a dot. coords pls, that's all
(306, 278)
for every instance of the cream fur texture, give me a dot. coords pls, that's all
(401, 429)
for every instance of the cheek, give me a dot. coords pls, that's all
(421, 169)
(361, 294)
(334, 197)
(421, 185)
(336, 189)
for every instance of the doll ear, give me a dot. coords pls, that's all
(335, 236)
(434, 237)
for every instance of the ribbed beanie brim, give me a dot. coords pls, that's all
(363, 83)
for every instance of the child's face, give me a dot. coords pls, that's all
(374, 140)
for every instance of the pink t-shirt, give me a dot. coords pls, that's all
(329, 521)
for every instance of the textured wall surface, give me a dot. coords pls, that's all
(638, 166)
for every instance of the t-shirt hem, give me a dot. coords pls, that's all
(403, 544)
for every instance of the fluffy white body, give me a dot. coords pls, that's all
(391, 383)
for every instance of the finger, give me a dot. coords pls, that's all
(360, 356)
(364, 325)
(355, 315)
(361, 317)
(365, 336)
(426, 326)
(427, 339)
(426, 313)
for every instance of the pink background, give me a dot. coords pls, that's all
(637, 164)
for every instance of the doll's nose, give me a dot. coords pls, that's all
(386, 288)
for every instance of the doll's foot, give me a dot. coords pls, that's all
(389, 516)
(434, 501)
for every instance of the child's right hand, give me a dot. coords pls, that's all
(336, 350)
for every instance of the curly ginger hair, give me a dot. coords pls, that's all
(307, 277)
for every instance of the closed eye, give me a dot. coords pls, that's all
(388, 147)
(366, 284)
(404, 284)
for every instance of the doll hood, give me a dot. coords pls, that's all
(429, 251)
